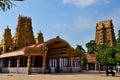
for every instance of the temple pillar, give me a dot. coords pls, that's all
(87, 66)
(95, 66)
(18, 63)
(9, 62)
(70, 63)
(44, 59)
(28, 65)
(33, 60)
(44, 63)
(70, 60)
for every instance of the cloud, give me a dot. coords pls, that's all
(83, 3)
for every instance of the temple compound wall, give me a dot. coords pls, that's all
(23, 53)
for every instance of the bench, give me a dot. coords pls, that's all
(110, 72)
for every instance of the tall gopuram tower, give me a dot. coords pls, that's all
(24, 33)
(105, 33)
(6, 43)
(39, 38)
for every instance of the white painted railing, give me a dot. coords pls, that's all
(37, 70)
(5, 70)
(22, 70)
(14, 70)
(52, 69)
(75, 69)
(65, 69)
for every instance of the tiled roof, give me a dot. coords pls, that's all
(20, 51)
(91, 58)
(13, 53)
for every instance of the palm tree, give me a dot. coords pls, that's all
(79, 47)
(91, 46)
(7, 4)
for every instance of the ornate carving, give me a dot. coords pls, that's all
(24, 33)
(105, 33)
(39, 38)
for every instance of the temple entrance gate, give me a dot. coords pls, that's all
(52, 65)
(62, 65)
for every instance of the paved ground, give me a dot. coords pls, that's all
(91, 75)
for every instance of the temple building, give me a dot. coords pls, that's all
(105, 33)
(23, 53)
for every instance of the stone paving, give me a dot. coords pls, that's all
(90, 75)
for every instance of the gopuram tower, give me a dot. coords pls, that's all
(39, 38)
(24, 33)
(105, 33)
(6, 43)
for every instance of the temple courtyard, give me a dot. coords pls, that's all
(86, 75)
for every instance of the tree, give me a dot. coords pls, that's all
(117, 48)
(107, 56)
(91, 47)
(79, 47)
(118, 39)
(7, 4)
(99, 48)
(84, 60)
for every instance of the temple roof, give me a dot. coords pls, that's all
(13, 53)
(56, 39)
(33, 49)
(91, 58)
(40, 48)
(24, 51)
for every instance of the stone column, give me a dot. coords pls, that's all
(18, 63)
(95, 66)
(87, 66)
(28, 65)
(44, 60)
(70, 63)
(44, 63)
(9, 62)
(33, 60)
(70, 60)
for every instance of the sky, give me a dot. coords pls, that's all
(72, 20)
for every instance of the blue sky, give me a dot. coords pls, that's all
(72, 20)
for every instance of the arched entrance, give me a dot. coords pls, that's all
(58, 55)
